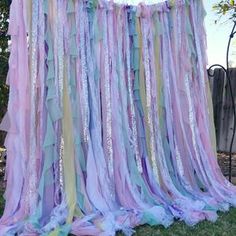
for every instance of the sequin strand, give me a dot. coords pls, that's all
(148, 95)
(131, 100)
(108, 98)
(32, 162)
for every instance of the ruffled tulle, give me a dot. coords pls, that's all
(109, 119)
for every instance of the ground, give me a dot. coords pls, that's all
(224, 226)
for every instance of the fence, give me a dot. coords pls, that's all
(223, 108)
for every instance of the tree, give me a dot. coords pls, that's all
(4, 55)
(226, 8)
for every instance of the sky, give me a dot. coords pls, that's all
(217, 36)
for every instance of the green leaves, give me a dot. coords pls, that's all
(226, 8)
(4, 54)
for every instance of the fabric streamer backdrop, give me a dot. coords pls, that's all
(109, 119)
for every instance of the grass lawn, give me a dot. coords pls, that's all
(225, 226)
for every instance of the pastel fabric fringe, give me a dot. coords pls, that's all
(109, 119)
